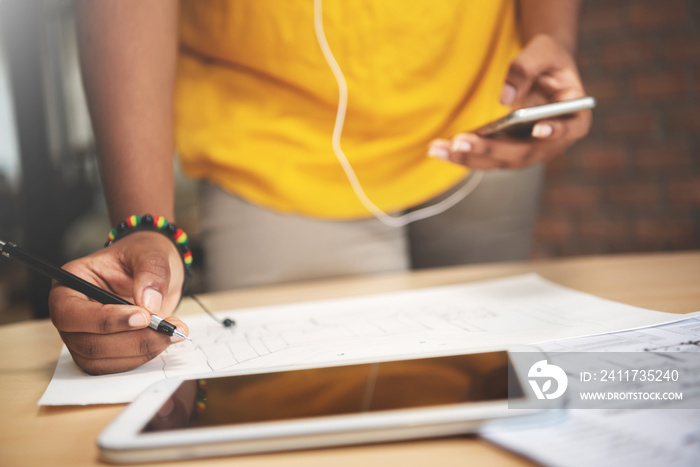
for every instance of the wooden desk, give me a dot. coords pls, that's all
(65, 436)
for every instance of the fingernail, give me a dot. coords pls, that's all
(152, 300)
(138, 320)
(439, 152)
(461, 145)
(508, 95)
(541, 131)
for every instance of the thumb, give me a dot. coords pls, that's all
(541, 55)
(151, 271)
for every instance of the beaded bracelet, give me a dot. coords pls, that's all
(155, 224)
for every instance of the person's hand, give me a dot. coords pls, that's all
(544, 71)
(143, 268)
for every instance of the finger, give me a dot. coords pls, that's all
(457, 151)
(505, 153)
(74, 313)
(71, 311)
(180, 325)
(440, 149)
(545, 66)
(462, 152)
(144, 344)
(150, 266)
(106, 366)
(563, 85)
(521, 76)
(544, 130)
(490, 153)
(571, 128)
(151, 280)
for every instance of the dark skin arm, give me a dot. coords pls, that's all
(128, 54)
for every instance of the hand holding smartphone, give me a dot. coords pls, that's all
(519, 123)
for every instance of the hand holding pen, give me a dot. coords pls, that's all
(107, 338)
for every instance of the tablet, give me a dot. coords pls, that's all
(315, 406)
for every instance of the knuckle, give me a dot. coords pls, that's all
(561, 130)
(87, 347)
(520, 68)
(529, 158)
(104, 324)
(484, 150)
(88, 365)
(148, 350)
(462, 159)
(155, 265)
(56, 316)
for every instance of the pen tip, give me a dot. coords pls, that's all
(181, 336)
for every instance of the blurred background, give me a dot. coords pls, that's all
(633, 185)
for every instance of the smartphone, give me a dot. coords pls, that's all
(519, 123)
(311, 406)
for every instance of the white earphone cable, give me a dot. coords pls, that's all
(391, 221)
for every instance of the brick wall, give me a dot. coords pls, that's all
(634, 183)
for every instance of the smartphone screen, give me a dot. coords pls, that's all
(339, 390)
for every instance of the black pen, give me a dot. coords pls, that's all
(12, 251)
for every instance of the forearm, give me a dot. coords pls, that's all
(128, 53)
(555, 18)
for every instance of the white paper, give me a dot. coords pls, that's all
(468, 317)
(610, 438)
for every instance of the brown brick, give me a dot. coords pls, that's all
(664, 230)
(627, 54)
(596, 19)
(634, 194)
(602, 158)
(660, 85)
(557, 164)
(631, 123)
(684, 191)
(656, 14)
(686, 118)
(604, 90)
(588, 60)
(632, 183)
(556, 229)
(573, 195)
(669, 156)
(602, 228)
(682, 48)
(542, 250)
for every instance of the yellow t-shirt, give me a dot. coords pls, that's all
(256, 101)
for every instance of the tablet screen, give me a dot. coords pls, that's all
(339, 390)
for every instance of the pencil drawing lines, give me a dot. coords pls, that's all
(688, 346)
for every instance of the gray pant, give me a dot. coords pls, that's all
(246, 245)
